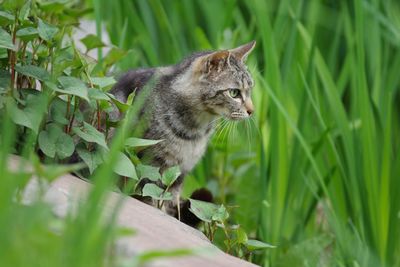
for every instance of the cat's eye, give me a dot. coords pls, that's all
(234, 93)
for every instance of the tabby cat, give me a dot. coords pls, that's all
(185, 101)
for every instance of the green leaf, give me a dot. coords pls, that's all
(125, 167)
(46, 144)
(6, 15)
(58, 111)
(54, 6)
(73, 86)
(6, 18)
(90, 134)
(54, 141)
(65, 145)
(46, 31)
(203, 210)
(122, 107)
(96, 94)
(170, 175)
(20, 117)
(3, 53)
(32, 114)
(131, 97)
(155, 192)
(115, 55)
(253, 244)
(147, 171)
(24, 12)
(28, 33)
(5, 78)
(34, 72)
(103, 82)
(6, 40)
(92, 41)
(241, 236)
(13, 5)
(92, 159)
(64, 54)
(138, 142)
(221, 214)
(43, 51)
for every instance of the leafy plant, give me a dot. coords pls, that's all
(166, 180)
(54, 107)
(49, 81)
(236, 240)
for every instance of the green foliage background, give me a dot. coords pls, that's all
(316, 172)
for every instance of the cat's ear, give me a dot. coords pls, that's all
(243, 51)
(215, 61)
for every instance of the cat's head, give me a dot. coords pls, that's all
(224, 83)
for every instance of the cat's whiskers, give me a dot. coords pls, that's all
(254, 129)
(248, 136)
(253, 123)
(213, 121)
(226, 136)
(229, 131)
(235, 131)
(218, 129)
(223, 120)
(221, 128)
(232, 131)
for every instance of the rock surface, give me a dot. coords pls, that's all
(154, 229)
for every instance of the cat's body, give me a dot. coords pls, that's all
(184, 136)
(185, 101)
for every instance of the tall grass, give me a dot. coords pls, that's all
(319, 178)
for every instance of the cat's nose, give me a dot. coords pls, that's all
(249, 107)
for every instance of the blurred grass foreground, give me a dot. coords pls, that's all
(316, 172)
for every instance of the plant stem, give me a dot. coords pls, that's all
(98, 112)
(35, 49)
(13, 53)
(67, 113)
(162, 201)
(22, 59)
(98, 116)
(228, 248)
(73, 115)
(207, 230)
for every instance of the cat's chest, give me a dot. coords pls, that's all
(190, 153)
(183, 153)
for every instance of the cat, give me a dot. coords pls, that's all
(185, 101)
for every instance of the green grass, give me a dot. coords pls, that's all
(316, 174)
